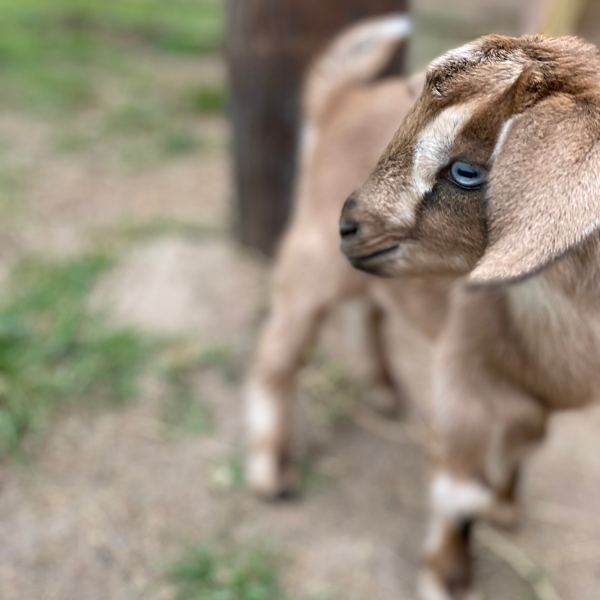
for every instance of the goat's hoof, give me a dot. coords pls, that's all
(386, 401)
(430, 588)
(268, 480)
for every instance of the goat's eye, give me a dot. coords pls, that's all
(466, 176)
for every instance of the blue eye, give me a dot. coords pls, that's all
(466, 176)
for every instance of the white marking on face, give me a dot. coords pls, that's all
(458, 500)
(501, 138)
(432, 149)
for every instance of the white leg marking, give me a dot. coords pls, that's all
(430, 588)
(459, 500)
(262, 472)
(262, 418)
(262, 412)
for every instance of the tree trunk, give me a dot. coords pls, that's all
(270, 43)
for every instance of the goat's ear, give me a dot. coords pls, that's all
(543, 194)
(415, 84)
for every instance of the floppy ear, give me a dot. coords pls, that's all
(543, 194)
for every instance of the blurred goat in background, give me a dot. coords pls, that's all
(350, 115)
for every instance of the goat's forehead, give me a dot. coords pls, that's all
(465, 54)
(474, 67)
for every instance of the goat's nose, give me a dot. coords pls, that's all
(348, 228)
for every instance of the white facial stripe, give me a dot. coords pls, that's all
(501, 138)
(432, 149)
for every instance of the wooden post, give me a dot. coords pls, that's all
(270, 43)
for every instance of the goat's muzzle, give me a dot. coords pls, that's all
(359, 244)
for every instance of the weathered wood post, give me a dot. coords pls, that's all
(269, 44)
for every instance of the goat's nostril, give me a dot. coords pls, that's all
(348, 228)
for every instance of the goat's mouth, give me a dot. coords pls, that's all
(374, 262)
(359, 259)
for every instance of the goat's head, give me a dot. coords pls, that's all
(495, 171)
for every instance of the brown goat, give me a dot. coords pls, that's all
(494, 178)
(349, 118)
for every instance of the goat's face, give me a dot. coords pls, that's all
(496, 170)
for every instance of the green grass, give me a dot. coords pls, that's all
(327, 390)
(54, 352)
(207, 99)
(101, 71)
(228, 473)
(230, 572)
(50, 50)
(155, 228)
(183, 410)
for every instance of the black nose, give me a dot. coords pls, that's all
(348, 228)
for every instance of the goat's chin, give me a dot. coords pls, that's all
(389, 264)
(380, 269)
(398, 264)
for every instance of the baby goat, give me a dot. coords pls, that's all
(494, 176)
(349, 120)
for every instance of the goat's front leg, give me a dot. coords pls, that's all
(485, 428)
(283, 341)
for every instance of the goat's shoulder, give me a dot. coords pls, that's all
(541, 333)
(554, 318)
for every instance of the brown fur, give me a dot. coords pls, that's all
(348, 122)
(523, 334)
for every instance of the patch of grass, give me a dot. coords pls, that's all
(327, 391)
(206, 99)
(134, 119)
(230, 572)
(178, 143)
(155, 228)
(50, 49)
(12, 186)
(228, 474)
(53, 351)
(148, 131)
(183, 410)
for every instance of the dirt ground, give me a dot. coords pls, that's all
(110, 497)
